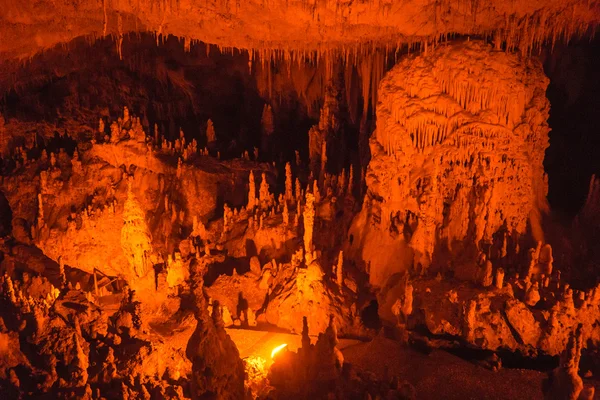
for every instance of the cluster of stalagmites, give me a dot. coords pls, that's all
(81, 201)
(116, 221)
(292, 288)
(455, 179)
(59, 342)
(114, 224)
(530, 309)
(318, 371)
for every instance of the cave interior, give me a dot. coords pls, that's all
(297, 199)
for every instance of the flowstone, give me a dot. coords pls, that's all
(456, 158)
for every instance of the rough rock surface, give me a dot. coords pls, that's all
(119, 204)
(29, 27)
(497, 319)
(217, 370)
(456, 158)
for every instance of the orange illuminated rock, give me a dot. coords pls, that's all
(136, 241)
(300, 24)
(217, 370)
(564, 382)
(456, 158)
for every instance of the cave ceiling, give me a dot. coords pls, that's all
(27, 27)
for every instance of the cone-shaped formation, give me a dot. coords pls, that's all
(217, 370)
(135, 235)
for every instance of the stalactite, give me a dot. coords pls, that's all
(105, 22)
(289, 190)
(120, 36)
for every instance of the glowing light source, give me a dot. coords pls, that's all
(278, 349)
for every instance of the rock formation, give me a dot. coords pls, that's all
(211, 136)
(564, 382)
(309, 218)
(520, 25)
(217, 370)
(456, 128)
(251, 192)
(135, 236)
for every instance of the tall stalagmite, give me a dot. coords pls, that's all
(136, 240)
(217, 370)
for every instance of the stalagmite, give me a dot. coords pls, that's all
(76, 163)
(339, 274)
(40, 216)
(564, 381)
(264, 193)
(323, 157)
(125, 115)
(179, 164)
(9, 289)
(545, 259)
(211, 136)
(350, 181)
(533, 295)
(309, 220)
(407, 301)
(61, 272)
(227, 215)
(298, 194)
(251, 192)
(286, 214)
(316, 193)
(487, 274)
(216, 366)
(499, 278)
(135, 235)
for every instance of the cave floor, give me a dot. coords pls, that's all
(261, 343)
(438, 375)
(441, 375)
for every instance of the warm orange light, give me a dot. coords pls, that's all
(278, 349)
